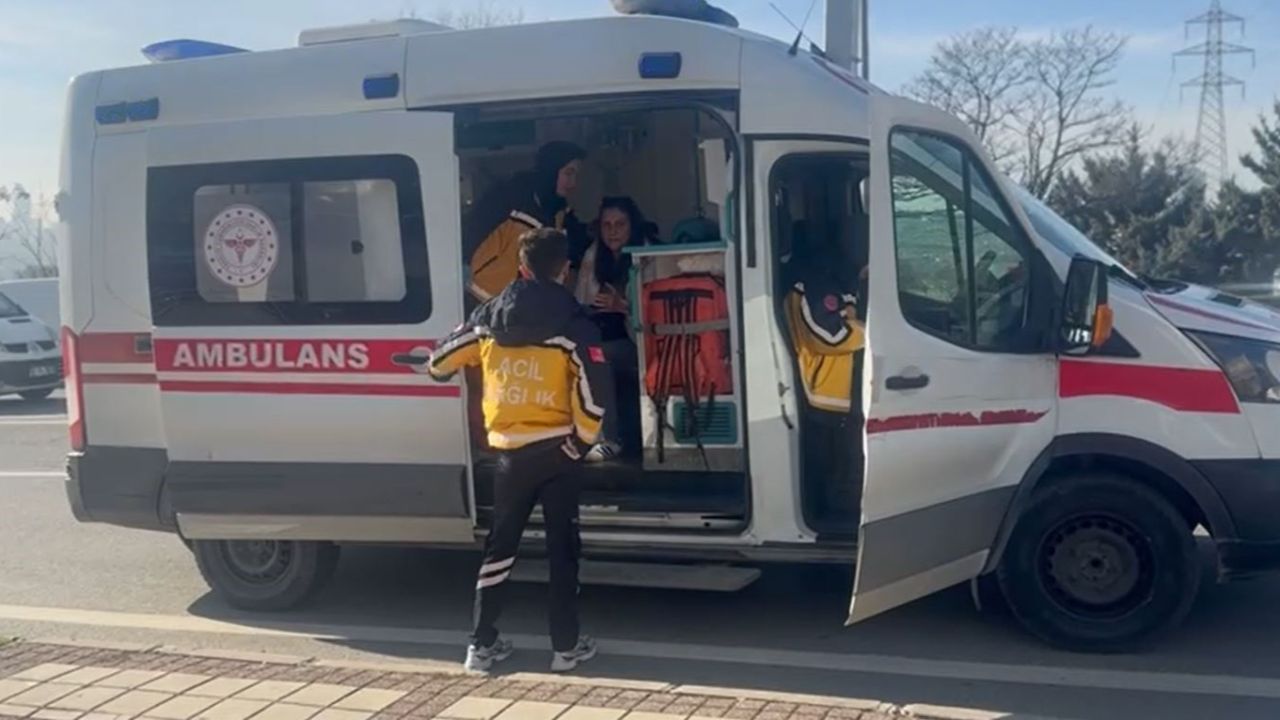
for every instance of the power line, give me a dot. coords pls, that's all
(1211, 126)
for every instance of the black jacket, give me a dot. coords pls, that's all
(544, 370)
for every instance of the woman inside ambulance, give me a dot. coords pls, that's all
(539, 198)
(602, 287)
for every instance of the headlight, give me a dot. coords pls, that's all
(1252, 366)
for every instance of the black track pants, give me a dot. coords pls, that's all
(537, 472)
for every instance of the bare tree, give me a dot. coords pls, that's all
(26, 229)
(481, 14)
(1037, 104)
(977, 77)
(1063, 114)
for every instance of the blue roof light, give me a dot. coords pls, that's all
(185, 49)
(381, 86)
(660, 65)
(148, 109)
(112, 114)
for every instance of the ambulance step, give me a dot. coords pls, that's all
(712, 578)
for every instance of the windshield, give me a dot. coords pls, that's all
(9, 308)
(1058, 232)
(1064, 236)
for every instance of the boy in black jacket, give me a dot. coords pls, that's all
(546, 391)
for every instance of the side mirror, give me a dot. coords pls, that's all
(1086, 319)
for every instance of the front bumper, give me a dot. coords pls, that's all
(29, 373)
(1250, 489)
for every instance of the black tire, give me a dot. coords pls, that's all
(265, 575)
(1100, 563)
(36, 395)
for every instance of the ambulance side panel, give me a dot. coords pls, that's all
(259, 452)
(291, 405)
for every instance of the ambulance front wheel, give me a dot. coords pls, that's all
(1100, 563)
(265, 574)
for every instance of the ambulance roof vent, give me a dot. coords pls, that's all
(366, 31)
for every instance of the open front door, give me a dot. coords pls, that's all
(959, 399)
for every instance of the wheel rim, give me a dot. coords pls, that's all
(1097, 566)
(259, 562)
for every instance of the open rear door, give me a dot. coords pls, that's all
(959, 399)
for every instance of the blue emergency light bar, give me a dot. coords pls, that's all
(185, 49)
(660, 65)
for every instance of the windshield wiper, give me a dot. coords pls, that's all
(1118, 271)
(1165, 285)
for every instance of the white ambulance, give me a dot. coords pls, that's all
(260, 249)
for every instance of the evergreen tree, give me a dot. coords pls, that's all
(1253, 218)
(1131, 201)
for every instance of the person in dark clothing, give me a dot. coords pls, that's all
(602, 282)
(546, 391)
(532, 200)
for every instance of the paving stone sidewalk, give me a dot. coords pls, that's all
(48, 681)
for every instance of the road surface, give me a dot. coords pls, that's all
(63, 580)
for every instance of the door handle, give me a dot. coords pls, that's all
(416, 359)
(901, 382)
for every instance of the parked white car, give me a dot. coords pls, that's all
(39, 297)
(30, 363)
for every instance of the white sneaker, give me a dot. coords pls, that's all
(481, 659)
(582, 652)
(602, 452)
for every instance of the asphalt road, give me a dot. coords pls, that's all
(63, 580)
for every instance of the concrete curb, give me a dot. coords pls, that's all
(942, 712)
(798, 698)
(419, 668)
(96, 644)
(619, 683)
(242, 656)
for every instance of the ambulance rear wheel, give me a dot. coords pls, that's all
(35, 395)
(265, 574)
(1100, 563)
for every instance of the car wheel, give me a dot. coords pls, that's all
(1100, 563)
(265, 574)
(35, 395)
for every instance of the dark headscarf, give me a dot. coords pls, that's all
(519, 192)
(548, 163)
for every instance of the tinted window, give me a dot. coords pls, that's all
(962, 262)
(316, 241)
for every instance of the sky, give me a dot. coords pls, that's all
(44, 43)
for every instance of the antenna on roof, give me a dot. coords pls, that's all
(795, 45)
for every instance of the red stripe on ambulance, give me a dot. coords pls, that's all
(289, 356)
(111, 347)
(926, 421)
(1181, 389)
(287, 388)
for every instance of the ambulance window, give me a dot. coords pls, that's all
(352, 248)
(299, 242)
(961, 260)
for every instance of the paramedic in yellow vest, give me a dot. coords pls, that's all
(547, 389)
(821, 311)
(530, 201)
